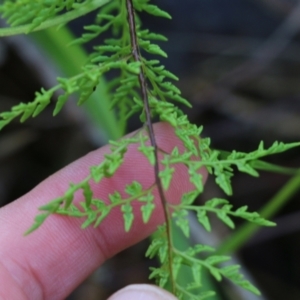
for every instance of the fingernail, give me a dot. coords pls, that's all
(142, 292)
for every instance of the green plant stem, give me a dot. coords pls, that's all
(70, 60)
(234, 242)
(81, 10)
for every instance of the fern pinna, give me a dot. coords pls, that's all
(142, 86)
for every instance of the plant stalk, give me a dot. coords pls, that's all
(143, 86)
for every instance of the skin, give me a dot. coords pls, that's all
(52, 261)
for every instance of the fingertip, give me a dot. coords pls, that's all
(142, 292)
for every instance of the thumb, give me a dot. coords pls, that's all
(142, 292)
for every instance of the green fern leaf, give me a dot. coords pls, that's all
(154, 10)
(90, 219)
(147, 211)
(134, 189)
(87, 193)
(127, 216)
(166, 177)
(181, 220)
(104, 213)
(203, 219)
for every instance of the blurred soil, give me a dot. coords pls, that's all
(239, 65)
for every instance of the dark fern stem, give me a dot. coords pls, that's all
(144, 91)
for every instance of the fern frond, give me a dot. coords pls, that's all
(140, 86)
(26, 110)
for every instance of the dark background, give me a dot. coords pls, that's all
(239, 65)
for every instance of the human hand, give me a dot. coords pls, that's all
(55, 259)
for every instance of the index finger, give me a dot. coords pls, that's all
(52, 261)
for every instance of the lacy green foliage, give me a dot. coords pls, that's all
(95, 210)
(193, 258)
(80, 202)
(83, 84)
(35, 13)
